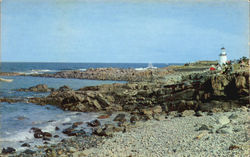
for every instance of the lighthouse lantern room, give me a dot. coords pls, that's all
(223, 56)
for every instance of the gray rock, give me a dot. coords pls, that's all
(159, 117)
(204, 127)
(223, 120)
(225, 130)
(188, 113)
(120, 117)
(233, 116)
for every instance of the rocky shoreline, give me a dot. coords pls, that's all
(172, 94)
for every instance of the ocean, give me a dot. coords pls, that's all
(17, 118)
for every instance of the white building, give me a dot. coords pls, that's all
(223, 56)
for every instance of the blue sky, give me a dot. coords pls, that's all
(163, 31)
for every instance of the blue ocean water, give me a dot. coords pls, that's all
(52, 67)
(17, 118)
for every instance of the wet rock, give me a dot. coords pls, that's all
(28, 151)
(37, 88)
(46, 139)
(120, 117)
(25, 145)
(21, 118)
(8, 150)
(45, 142)
(74, 125)
(56, 136)
(104, 116)
(69, 131)
(68, 123)
(57, 128)
(94, 123)
(38, 135)
(77, 133)
(47, 134)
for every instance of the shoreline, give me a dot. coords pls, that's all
(178, 94)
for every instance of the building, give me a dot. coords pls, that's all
(223, 56)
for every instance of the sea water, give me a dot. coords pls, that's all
(17, 118)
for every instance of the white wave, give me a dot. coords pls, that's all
(82, 69)
(140, 69)
(19, 136)
(37, 71)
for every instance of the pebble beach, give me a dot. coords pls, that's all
(207, 135)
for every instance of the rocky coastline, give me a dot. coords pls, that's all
(152, 98)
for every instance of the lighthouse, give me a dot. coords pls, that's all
(223, 56)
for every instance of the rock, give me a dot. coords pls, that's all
(25, 145)
(240, 82)
(188, 113)
(225, 130)
(47, 134)
(37, 88)
(123, 124)
(21, 118)
(64, 88)
(203, 127)
(74, 125)
(97, 131)
(106, 131)
(28, 151)
(157, 109)
(38, 135)
(94, 123)
(233, 116)
(46, 139)
(57, 128)
(198, 114)
(8, 150)
(232, 147)
(159, 117)
(85, 152)
(56, 136)
(104, 116)
(147, 111)
(174, 114)
(133, 119)
(223, 120)
(97, 105)
(118, 129)
(72, 149)
(37, 132)
(68, 131)
(120, 117)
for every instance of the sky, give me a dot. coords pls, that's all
(123, 31)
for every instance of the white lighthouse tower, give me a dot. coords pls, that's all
(223, 56)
